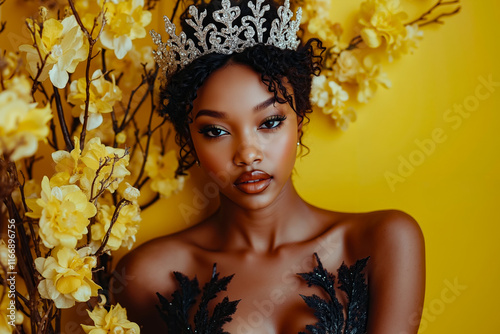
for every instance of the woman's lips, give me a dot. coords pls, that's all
(253, 182)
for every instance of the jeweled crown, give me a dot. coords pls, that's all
(178, 51)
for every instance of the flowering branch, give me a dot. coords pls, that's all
(92, 42)
(123, 202)
(440, 3)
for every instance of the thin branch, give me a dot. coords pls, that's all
(153, 201)
(92, 42)
(423, 17)
(45, 319)
(123, 202)
(176, 7)
(62, 122)
(437, 19)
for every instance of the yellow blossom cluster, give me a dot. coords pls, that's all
(369, 77)
(9, 64)
(381, 20)
(161, 169)
(124, 228)
(22, 124)
(327, 94)
(95, 169)
(67, 276)
(125, 21)
(61, 46)
(103, 95)
(352, 70)
(63, 212)
(134, 59)
(110, 322)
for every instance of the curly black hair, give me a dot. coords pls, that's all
(273, 64)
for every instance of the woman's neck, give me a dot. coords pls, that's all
(264, 230)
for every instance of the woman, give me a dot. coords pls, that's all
(239, 109)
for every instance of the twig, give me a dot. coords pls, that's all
(45, 318)
(176, 7)
(123, 202)
(149, 133)
(423, 17)
(436, 20)
(92, 42)
(148, 204)
(355, 41)
(43, 60)
(62, 122)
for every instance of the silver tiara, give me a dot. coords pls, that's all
(178, 51)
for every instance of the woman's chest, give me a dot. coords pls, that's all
(269, 294)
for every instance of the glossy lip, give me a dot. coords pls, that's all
(253, 182)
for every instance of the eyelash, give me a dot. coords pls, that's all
(275, 118)
(205, 131)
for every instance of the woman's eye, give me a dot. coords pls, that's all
(213, 132)
(273, 122)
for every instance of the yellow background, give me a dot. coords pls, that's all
(452, 190)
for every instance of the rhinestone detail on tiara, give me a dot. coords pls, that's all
(178, 51)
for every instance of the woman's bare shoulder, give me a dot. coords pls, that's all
(164, 254)
(368, 233)
(148, 270)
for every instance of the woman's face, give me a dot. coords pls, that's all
(243, 139)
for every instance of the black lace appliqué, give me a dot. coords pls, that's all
(330, 312)
(351, 280)
(175, 313)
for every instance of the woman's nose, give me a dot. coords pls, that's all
(247, 154)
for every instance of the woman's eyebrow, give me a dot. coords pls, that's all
(221, 114)
(211, 113)
(265, 104)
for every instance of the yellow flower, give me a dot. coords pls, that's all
(338, 95)
(68, 276)
(343, 117)
(346, 67)
(125, 21)
(22, 125)
(381, 19)
(103, 95)
(65, 44)
(368, 78)
(319, 94)
(113, 322)
(9, 63)
(406, 44)
(88, 169)
(326, 93)
(124, 229)
(5, 256)
(161, 170)
(130, 193)
(64, 214)
(130, 67)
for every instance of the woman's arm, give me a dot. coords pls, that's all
(396, 275)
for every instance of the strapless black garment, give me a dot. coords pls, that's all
(329, 312)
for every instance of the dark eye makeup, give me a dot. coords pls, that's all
(270, 123)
